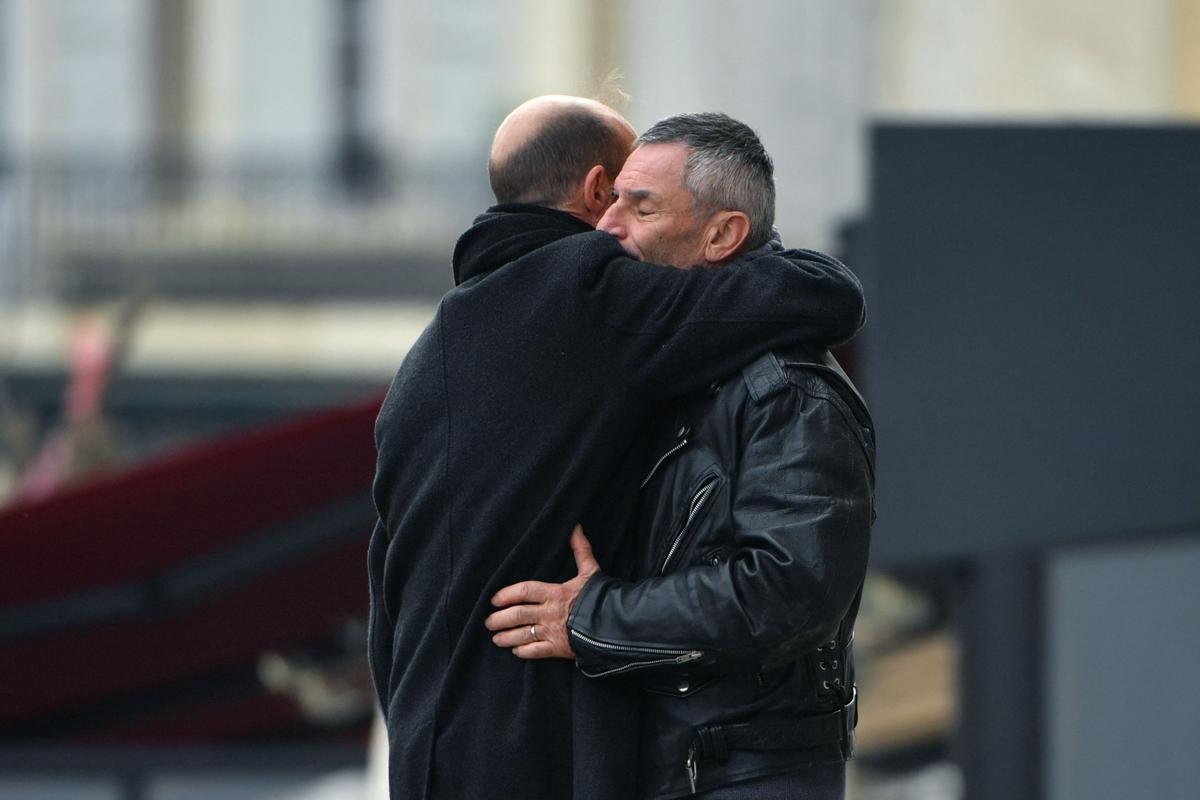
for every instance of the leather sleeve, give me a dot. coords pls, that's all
(802, 507)
(668, 331)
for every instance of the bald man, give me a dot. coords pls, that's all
(507, 421)
(543, 148)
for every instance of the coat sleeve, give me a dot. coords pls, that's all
(801, 512)
(669, 331)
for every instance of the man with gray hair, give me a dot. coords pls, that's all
(752, 526)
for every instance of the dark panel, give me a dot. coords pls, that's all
(1032, 358)
(998, 616)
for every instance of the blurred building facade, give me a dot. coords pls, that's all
(347, 125)
(258, 197)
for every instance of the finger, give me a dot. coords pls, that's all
(513, 637)
(524, 592)
(512, 617)
(582, 548)
(535, 650)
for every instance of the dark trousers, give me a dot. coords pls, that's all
(822, 782)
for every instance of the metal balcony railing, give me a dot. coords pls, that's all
(73, 231)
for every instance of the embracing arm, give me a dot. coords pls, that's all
(670, 331)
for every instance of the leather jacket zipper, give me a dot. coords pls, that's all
(699, 501)
(670, 656)
(678, 446)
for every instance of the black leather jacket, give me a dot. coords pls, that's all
(756, 523)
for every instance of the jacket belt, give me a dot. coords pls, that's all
(715, 741)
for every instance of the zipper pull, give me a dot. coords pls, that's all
(690, 765)
(689, 656)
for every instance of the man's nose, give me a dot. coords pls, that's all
(611, 223)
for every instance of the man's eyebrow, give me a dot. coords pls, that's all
(638, 194)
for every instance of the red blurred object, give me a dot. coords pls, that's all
(136, 602)
(93, 352)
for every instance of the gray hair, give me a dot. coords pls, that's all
(727, 168)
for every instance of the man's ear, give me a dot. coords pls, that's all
(725, 235)
(597, 192)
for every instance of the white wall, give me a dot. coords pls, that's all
(264, 80)
(1041, 58)
(440, 76)
(797, 71)
(77, 76)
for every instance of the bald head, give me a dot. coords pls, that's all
(545, 149)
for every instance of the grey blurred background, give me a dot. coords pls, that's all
(220, 216)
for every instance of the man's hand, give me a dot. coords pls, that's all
(533, 607)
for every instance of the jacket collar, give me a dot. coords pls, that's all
(506, 232)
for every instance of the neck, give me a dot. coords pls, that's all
(580, 214)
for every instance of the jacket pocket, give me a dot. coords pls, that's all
(700, 501)
(625, 657)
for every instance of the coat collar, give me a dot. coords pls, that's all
(506, 232)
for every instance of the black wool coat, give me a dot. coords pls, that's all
(506, 424)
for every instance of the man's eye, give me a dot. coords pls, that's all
(645, 212)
